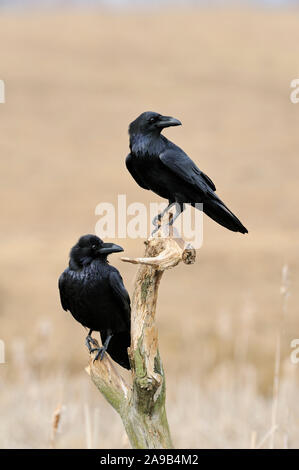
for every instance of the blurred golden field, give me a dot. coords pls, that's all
(74, 81)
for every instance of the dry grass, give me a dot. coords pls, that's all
(73, 83)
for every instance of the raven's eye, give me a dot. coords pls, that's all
(152, 119)
(94, 247)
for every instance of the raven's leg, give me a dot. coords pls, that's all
(101, 351)
(89, 340)
(179, 207)
(159, 217)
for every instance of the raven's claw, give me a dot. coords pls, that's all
(100, 353)
(157, 220)
(155, 230)
(89, 339)
(156, 223)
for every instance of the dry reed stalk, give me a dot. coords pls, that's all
(253, 440)
(274, 426)
(55, 423)
(88, 431)
(266, 436)
(284, 290)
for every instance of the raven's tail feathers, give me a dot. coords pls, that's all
(215, 209)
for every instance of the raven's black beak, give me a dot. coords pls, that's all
(167, 121)
(108, 248)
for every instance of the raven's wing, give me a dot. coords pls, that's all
(207, 180)
(117, 285)
(62, 291)
(179, 163)
(136, 176)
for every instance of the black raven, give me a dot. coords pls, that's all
(161, 166)
(94, 293)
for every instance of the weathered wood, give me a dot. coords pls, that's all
(142, 405)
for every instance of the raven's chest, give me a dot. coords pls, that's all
(91, 300)
(149, 166)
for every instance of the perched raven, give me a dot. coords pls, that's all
(94, 293)
(161, 166)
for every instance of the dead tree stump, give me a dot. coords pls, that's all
(142, 405)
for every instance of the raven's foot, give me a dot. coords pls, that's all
(157, 220)
(101, 350)
(89, 340)
(155, 230)
(166, 228)
(100, 353)
(156, 223)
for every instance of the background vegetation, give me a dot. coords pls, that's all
(74, 80)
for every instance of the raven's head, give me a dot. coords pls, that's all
(90, 247)
(151, 123)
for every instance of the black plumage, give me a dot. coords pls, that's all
(159, 165)
(94, 293)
